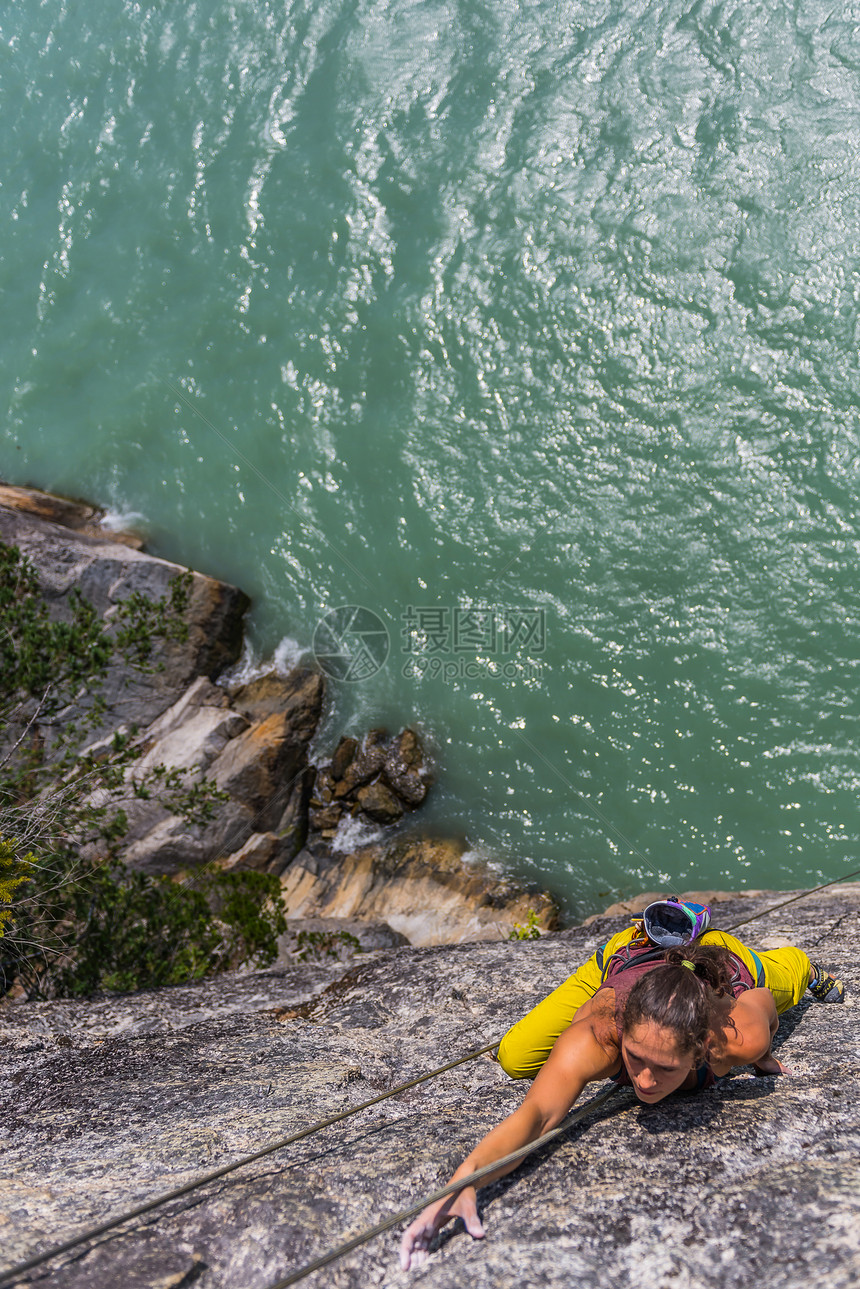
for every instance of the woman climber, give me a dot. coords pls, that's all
(665, 1006)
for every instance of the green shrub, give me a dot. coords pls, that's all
(14, 873)
(101, 926)
(71, 925)
(528, 930)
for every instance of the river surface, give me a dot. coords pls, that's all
(528, 329)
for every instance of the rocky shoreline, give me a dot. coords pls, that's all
(276, 812)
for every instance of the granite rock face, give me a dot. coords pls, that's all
(420, 886)
(252, 744)
(110, 1103)
(184, 721)
(317, 939)
(106, 571)
(78, 516)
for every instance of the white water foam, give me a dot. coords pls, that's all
(287, 656)
(352, 833)
(121, 521)
(483, 859)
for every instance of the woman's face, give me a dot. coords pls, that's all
(654, 1062)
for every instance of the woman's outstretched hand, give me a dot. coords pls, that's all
(414, 1247)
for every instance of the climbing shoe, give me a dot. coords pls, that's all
(824, 987)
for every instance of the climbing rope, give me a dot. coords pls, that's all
(515, 1156)
(773, 908)
(414, 1209)
(92, 1233)
(142, 1209)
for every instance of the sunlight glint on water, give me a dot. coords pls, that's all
(433, 306)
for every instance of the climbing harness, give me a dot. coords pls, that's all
(635, 954)
(638, 953)
(18, 1270)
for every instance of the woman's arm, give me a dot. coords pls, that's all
(576, 1059)
(748, 1043)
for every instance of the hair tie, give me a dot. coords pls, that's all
(685, 962)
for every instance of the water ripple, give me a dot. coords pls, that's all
(520, 305)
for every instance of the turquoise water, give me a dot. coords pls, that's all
(544, 311)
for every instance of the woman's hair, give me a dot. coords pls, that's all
(693, 1004)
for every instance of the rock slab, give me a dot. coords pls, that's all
(108, 1104)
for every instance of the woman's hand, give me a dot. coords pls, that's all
(414, 1247)
(770, 1065)
(576, 1059)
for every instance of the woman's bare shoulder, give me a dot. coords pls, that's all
(599, 1015)
(749, 1025)
(753, 1006)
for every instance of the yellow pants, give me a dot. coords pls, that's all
(527, 1044)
